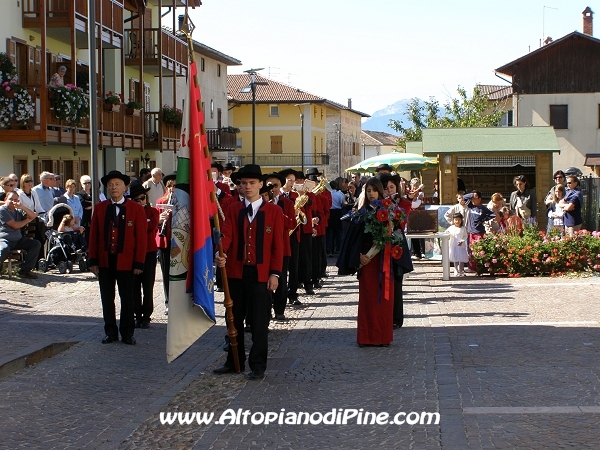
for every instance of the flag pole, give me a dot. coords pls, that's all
(228, 302)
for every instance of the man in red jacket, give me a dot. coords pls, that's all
(117, 250)
(253, 246)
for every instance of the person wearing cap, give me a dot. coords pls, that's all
(253, 254)
(228, 169)
(163, 237)
(222, 190)
(305, 261)
(276, 181)
(383, 168)
(156, 186)
(116, 253)
(287, 191)
(144, 282)
(321, 212)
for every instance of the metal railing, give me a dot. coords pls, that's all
(220, 140)
(590, 210)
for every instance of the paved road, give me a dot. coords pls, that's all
(507, 363)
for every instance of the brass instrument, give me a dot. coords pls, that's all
(319, 188)
(300, 216)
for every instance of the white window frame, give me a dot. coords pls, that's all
(273, 110)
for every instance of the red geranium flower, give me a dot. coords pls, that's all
(399, 215)
(396, 252)
(386, 202)
(382, 215)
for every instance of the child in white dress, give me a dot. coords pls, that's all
(458, 245)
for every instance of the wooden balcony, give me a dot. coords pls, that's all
(220, 139)
(115, 128)
(159, 135)
(158, 47)
(64, 15)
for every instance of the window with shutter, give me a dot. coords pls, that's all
(277, 144)
(31, 76)
(146, 96)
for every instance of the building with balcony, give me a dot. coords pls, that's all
(293, 128)
(139, 58)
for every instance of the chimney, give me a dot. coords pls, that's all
(548, 40)
(588, 21)
(350, 103)
(181, 19)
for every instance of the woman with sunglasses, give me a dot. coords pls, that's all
(27, 195)
(144, 282)
(8, 185)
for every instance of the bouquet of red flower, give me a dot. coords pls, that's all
(382, 219)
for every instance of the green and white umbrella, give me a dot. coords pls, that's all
(399, 161)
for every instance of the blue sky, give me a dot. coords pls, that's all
(380, 51)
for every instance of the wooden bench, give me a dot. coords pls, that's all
(15, 259)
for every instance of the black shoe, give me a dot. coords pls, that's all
(255, 375)
(247, 329)
(281, 318)
(397, 325)
(295, 302)
(21, 274)
(145, 324)
(129, 340)
(318, 284)
(138, 323)
(108, 340)
(223, 370)
(309, 291)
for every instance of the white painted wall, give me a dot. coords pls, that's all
(583, 135)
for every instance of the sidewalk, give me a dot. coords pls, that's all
(508, 363)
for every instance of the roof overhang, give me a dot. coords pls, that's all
(490, 140)
(592, 159)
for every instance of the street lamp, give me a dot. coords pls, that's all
(252, 88)
(301, 133)
(146, 159)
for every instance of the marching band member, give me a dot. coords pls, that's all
(253, 254)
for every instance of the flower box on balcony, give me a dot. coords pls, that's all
(133, 111)
(109, 107)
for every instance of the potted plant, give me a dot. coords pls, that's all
(133, 107)
(230, 129)
(8, 71)
(112, 102)
(71, 104)
(172, 115)
(16, 104)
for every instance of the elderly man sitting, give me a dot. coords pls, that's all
(13, 217)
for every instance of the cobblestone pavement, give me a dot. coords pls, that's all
(507, 363)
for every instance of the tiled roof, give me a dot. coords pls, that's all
(495, 92)
(272, 92)
(378, 138)
(275, 92)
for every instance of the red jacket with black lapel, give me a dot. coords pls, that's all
(268, 231)
(132, 235)
(289, 222)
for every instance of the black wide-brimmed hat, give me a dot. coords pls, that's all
(247, 171)
(136, 189)
(287, 171)
(385, 177)
(172, 176)
(277, 175)
(266, 188)
(229, 166)
(217, 166)
(115, 174)
(313, 171)
(384, 167)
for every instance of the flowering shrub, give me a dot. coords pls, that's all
(134, 104)
(113, 99)
(16, 104)
(172, 115)
(532, 252)
(71, 104)
(381, 220)
(8, 71)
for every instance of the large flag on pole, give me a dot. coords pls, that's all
(191, 296)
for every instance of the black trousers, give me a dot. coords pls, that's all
(124, 279)
(334, 231)
(318, 251)
(292, 292)
(305, 260)
(251, 301)
(164, 256)
(144, 283)
(280, 295)
(398, 301)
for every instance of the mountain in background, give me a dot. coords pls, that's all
(379, 120)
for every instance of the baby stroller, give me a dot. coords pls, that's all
(63, 250)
